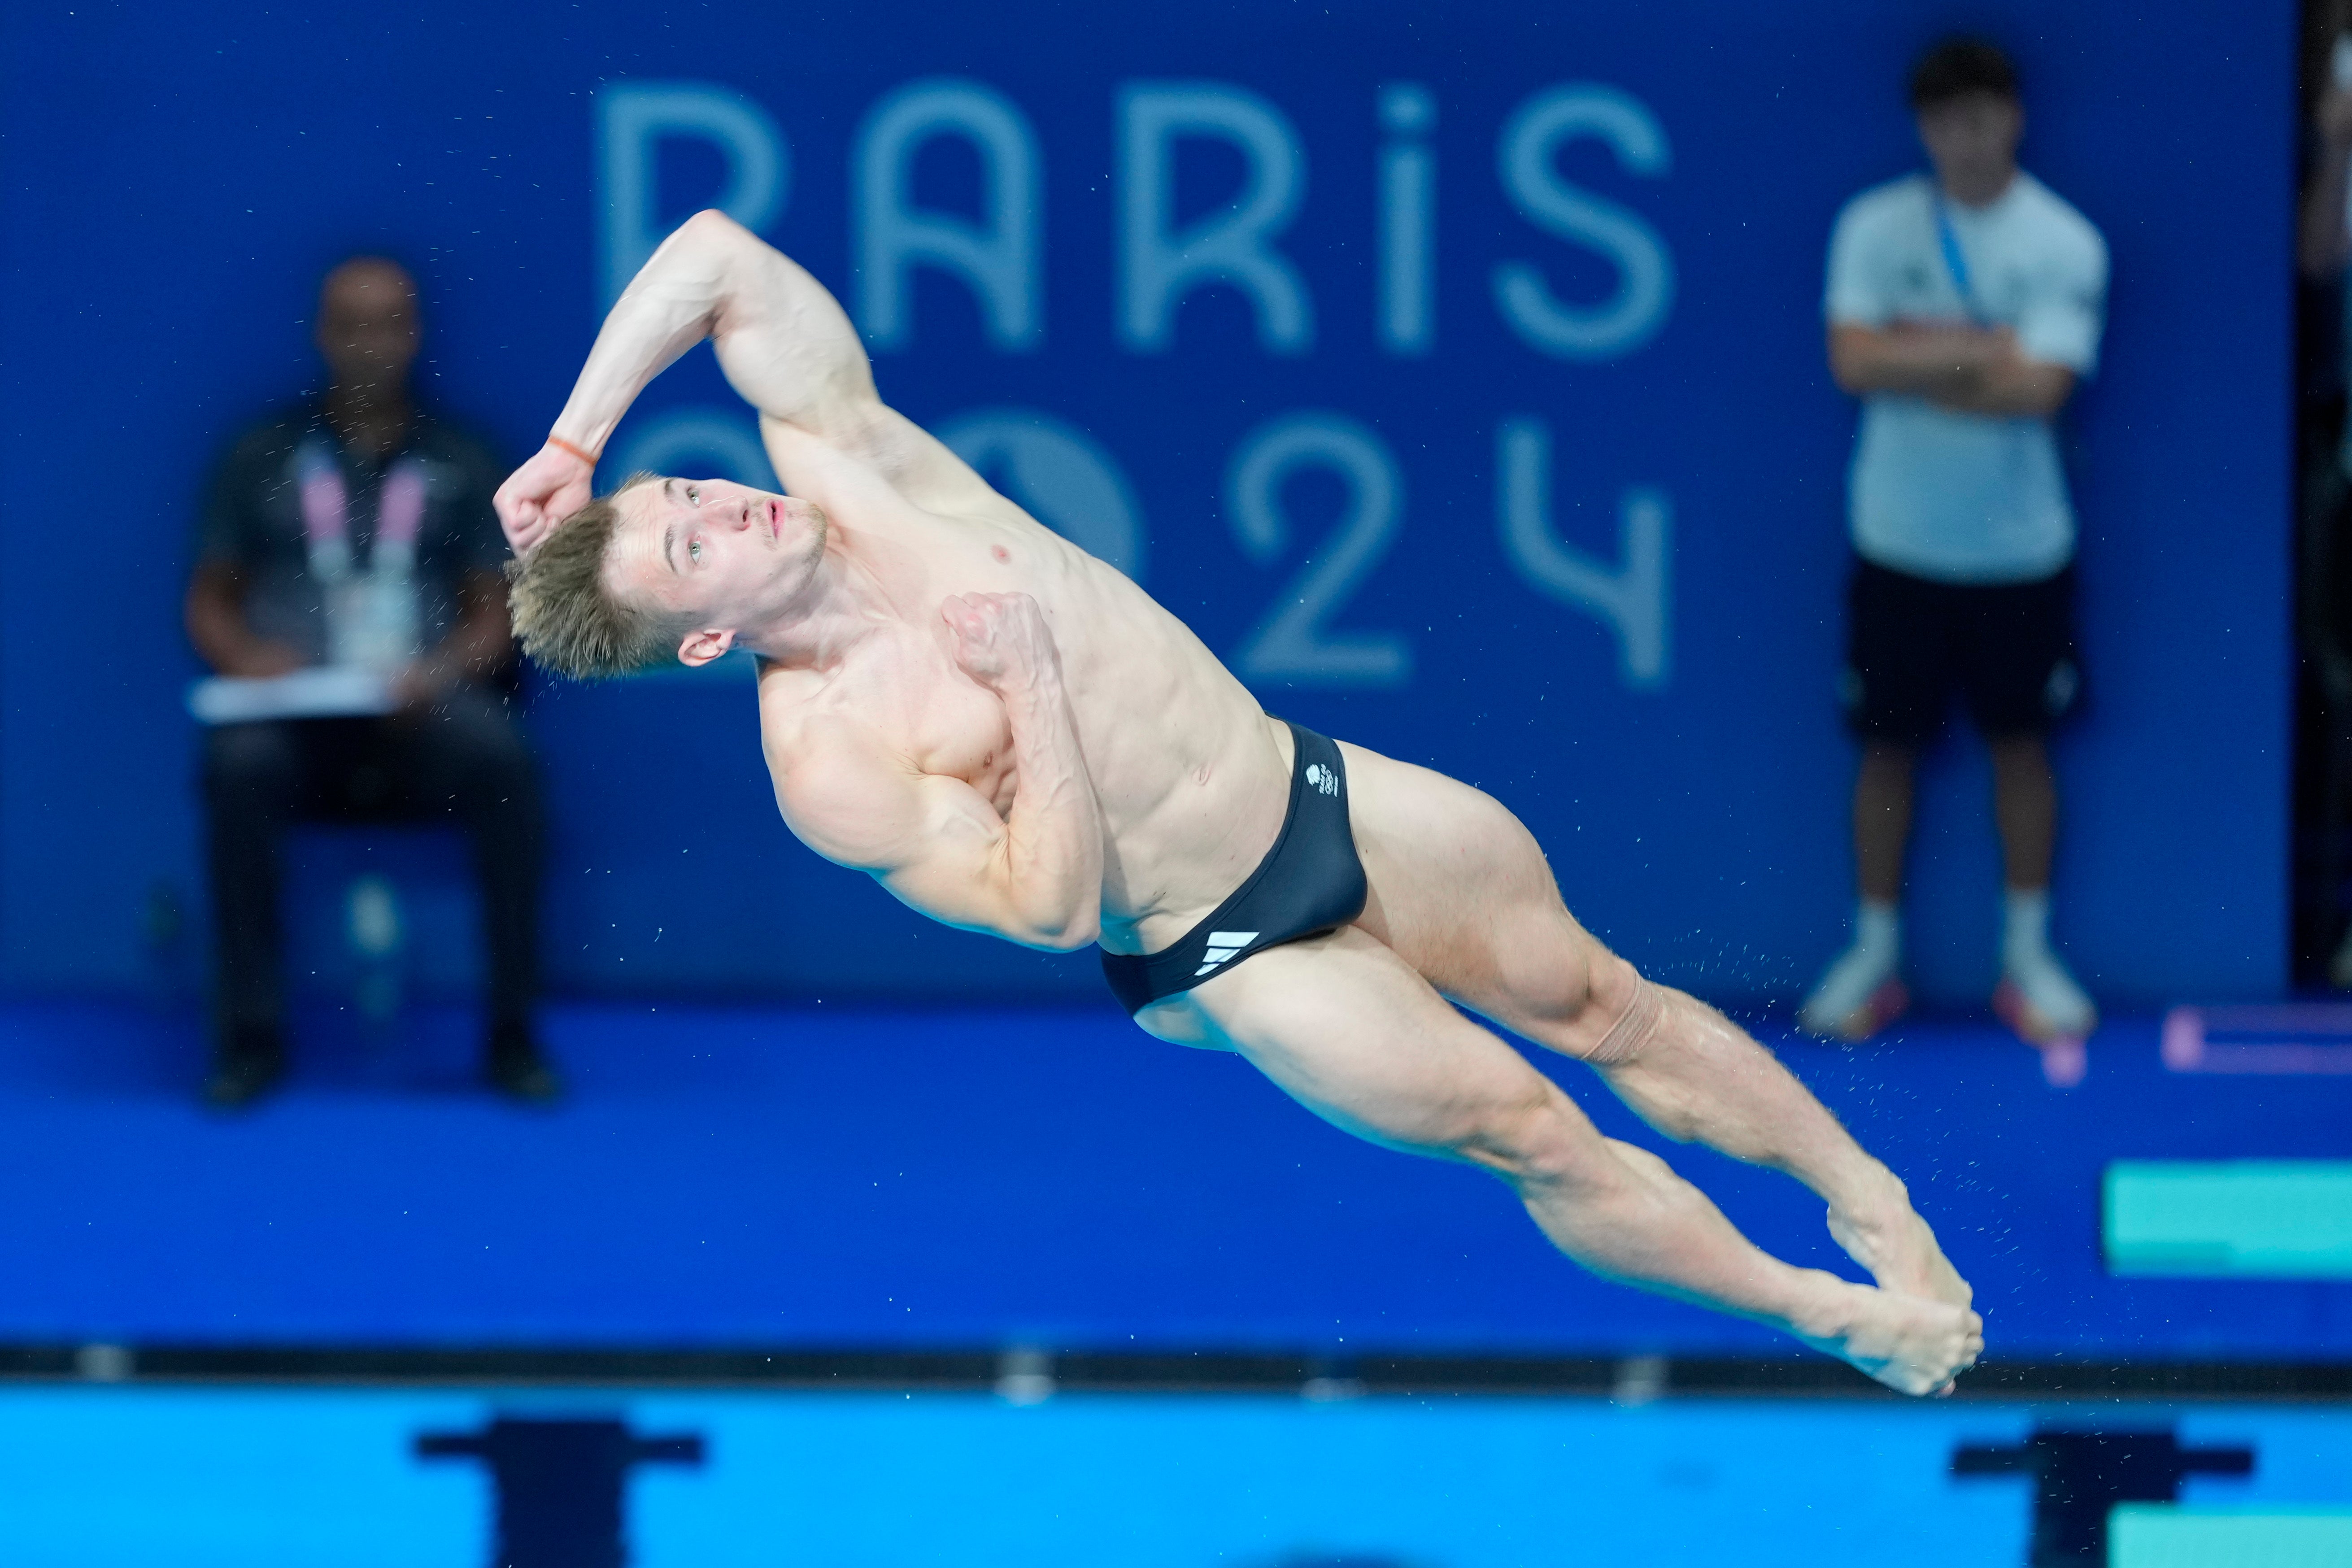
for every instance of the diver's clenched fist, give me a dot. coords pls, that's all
(542, 493)
(1001, 639)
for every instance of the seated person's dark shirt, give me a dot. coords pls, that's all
(253, 521)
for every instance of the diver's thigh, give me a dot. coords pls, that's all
(1461, 892)
(1348, 1029)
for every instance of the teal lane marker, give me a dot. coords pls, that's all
(2159, 1535)
(2270, 1219)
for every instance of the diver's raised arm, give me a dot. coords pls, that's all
(785, 345)
(684, 292)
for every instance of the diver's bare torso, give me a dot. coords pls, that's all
(1191, 775)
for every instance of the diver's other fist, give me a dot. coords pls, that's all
(1001, 639)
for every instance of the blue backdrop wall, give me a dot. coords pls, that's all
(1456, 370)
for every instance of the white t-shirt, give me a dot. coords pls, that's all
(1966, 498)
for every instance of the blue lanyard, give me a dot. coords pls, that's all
(1956, 261)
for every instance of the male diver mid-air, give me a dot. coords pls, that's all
(1013, 737)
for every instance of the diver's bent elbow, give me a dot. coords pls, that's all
(1069, 937)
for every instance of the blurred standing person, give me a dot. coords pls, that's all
(357, 530)
(1963, 305)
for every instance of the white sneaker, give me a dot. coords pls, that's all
(2039, 1000)
(1859, 995)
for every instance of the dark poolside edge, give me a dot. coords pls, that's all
(1029, 1373)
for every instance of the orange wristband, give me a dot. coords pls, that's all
(561, 445)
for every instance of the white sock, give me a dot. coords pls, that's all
(1878, 931)
(1841, 996)
(2025, 929)
(2058, 1006)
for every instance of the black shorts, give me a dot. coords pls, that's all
(1309, 883)
(2007, 646)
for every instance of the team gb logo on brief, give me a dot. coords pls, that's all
(1322, 778)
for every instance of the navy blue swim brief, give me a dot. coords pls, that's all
(1309, 882)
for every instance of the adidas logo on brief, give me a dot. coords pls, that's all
(1322, 778)
(1223, 945)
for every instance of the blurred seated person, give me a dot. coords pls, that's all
(357, 530)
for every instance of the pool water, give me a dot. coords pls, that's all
(96, 1477)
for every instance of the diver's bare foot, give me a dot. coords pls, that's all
(1913, 1346)
(1893, 1243)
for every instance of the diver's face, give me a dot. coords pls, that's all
(724, 557)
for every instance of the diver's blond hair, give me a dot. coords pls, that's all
(565, 614)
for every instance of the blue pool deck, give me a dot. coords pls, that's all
(838, 1178)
